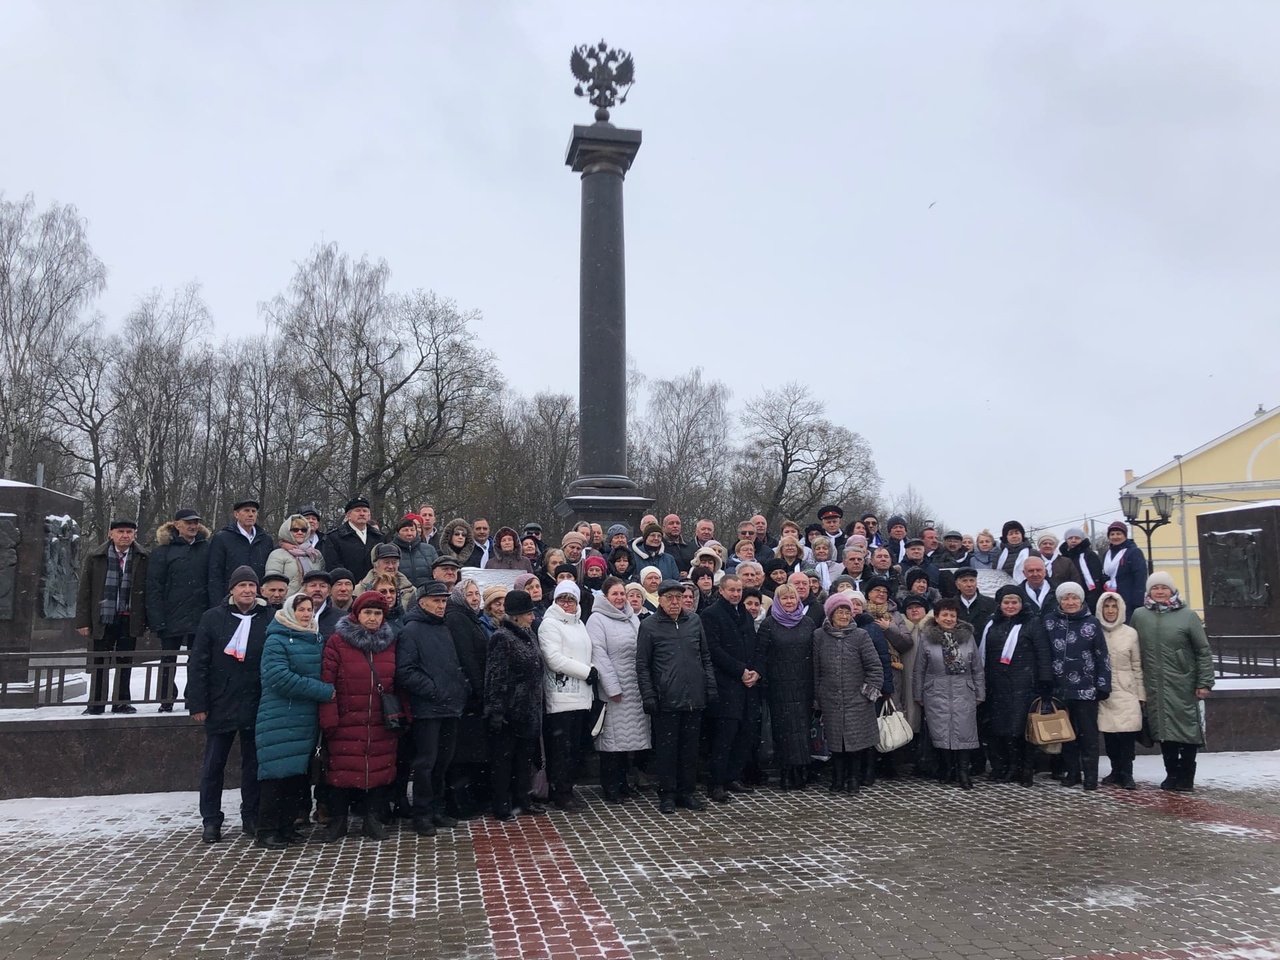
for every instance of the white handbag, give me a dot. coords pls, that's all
(895, 731)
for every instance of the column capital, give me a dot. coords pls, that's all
(602, 143)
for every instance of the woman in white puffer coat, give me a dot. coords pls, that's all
(568, 689)
(1120, 715)
(613, 628)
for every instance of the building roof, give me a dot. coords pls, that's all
(1249, 424)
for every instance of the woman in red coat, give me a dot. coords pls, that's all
(362, 751)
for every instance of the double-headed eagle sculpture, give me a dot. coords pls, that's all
(605, 73)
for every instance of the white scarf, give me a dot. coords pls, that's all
(1038, 596)
(1111, 566)
(1010, 643)
(1084, 569)
(1023, 554)
(240, 639)
(362, 534)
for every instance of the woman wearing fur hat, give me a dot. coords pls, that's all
(288, 719)
(491, 608)
(1120, 715)
(1014, 550)
(949, 682)
(294, 558)
(569, 682)
(360, 663)
(457, 541)
(1177, 669)
(847, 677)
(1081, 679)
(1019, 667)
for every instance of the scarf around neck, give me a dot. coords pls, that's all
(787, 619)
(240, 639)
(1173, 603)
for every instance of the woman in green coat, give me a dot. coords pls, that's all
(288, 723)
(1177, 668)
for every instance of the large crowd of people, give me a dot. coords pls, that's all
(371, 671)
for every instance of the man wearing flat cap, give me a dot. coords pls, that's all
(386, 559)
(677, 682)
(177, 591)
(111, 609)
(241, 543)
(350, 543)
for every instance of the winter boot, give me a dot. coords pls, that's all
(852, 772)
(423, 827)
(837, 772)
(1172, 766)
(270, 840)
(439, 818)
(799, 778)
(888, 764)
(867, 760)
(964, 758)
(373, 828)
(335, 828)
(1186, 782)
(400, 807)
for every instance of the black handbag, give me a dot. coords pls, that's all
(393, 712)
(1144, 735)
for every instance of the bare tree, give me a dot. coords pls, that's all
(48, 275)
(795, 459)
(911, 506)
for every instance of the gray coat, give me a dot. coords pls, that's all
(613, 635)
(950, 699)
(847, 677)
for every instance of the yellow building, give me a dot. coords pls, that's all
(1242, 466)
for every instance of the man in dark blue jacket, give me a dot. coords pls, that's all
(240, 543)
(427, 668)
(731, 640)
(223, 689)
(177, 591)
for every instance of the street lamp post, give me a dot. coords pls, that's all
(1129, 505)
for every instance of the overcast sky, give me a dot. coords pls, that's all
(1095, 288)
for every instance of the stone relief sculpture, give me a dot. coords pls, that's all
(1237, 577)
(60, 575)
(10, 537)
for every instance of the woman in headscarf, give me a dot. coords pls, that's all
(613, 628)
(637, 600)
(786, 642)
(360, 662)
(1120, 715)
(505, 553)
(1177, 670)
(1082, 678)
(847, 677)
(650, 577)
(949, 682)
(1018, 667)
(288, 725)
(295, 557)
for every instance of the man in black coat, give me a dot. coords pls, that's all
(427, 669)
(351, 543)
(1037, 593)
(830, 515)
(240, 543)
(975, 609)
(223, 689)
(676, 548)
(177, 591)
(342, 588)
(731, 640)
(677, 681)
(111, 610)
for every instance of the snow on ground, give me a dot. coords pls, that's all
(105, 815)
(1224, 771)
(75, 708)
(1247, 683)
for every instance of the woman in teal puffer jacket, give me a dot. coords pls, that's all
(288, 723)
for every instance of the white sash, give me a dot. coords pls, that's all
(1111, 566)
(1084, 568)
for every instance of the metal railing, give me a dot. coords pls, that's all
(1255, 656)
(47, 677)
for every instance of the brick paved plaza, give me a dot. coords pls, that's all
(908, 871)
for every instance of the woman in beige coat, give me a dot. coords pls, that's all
(1120, 715)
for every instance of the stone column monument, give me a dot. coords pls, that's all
(603, 154)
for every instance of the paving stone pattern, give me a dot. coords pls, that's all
(908, 870)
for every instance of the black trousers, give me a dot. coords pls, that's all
(675, 750)
(1120, 751)
(1080, 756)
(1178, 757)
(732, 742)
(510, 769)
(281, 802)
(433, 745)
(613, 771)
(115, 639)
(167, 689)
(1010, 755)
(217, 748)
(562, 737)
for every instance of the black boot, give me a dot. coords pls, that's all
(423, 827)
(335, 829)
(852, 772)
(1186, 782)
(837, 772)
(373, 828)
(400, 808)
(270, 840)
(963, 760)
(212, 833)
(867, 759)
(800, 778)
(889, 765)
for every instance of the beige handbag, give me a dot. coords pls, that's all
(1049, 724)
